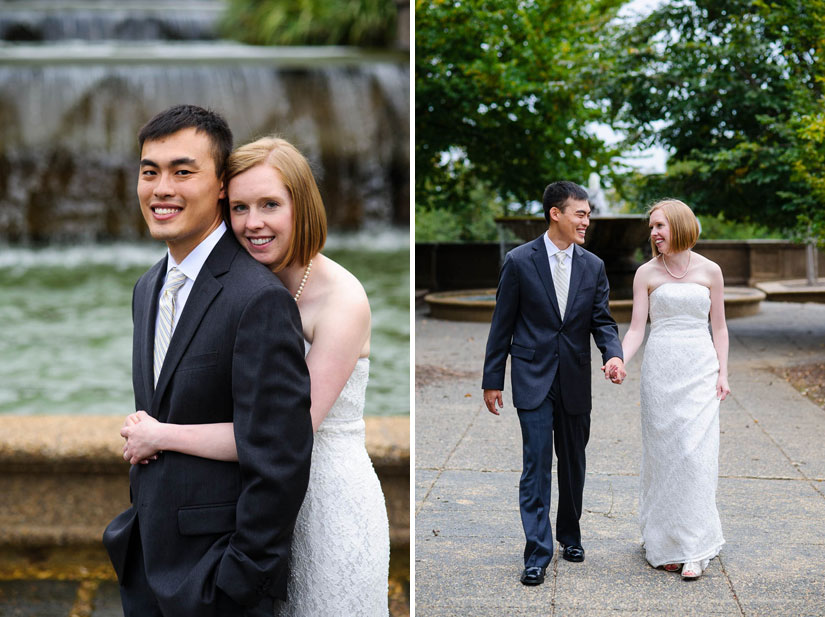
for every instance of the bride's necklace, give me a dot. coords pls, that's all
(684, 274)
(304, 281)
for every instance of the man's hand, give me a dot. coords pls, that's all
(491, 397)
(614, 370)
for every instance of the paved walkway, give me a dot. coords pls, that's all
(771, 496)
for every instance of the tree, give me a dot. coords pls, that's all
(501, 98)
(365, 23)
(733, 89)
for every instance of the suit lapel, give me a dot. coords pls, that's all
(576, 272)
(542, 264)
(205, 289)
(149, 307)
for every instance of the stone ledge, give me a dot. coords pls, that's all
(796, 290)
(479, 304)
(63, 477)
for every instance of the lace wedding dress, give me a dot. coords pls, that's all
(680, 429)
(340, 551)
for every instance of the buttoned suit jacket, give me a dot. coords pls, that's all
(216, 535)
(527, 325)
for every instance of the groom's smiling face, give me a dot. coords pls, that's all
(178, 190)
(571, 223)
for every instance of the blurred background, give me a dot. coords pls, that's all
(718, 103)
(78, 78)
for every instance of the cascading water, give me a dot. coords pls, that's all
(70, 111)
(50, 20)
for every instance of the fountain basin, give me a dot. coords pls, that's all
(478, 304)
(191, 53)
(795, 290)
(616, 238)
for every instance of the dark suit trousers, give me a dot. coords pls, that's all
(540, 429)
(135, 594)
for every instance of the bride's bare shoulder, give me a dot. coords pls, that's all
(648, 268)
(711, 267)
(343, 292)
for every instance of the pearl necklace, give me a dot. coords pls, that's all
(303, 281)
(684, 274)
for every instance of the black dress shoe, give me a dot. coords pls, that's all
(534, 575)
(573, 553)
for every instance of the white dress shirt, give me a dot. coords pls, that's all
(191, 267)
(552, 249)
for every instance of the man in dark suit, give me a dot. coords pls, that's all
(552, 295)
(217, 338)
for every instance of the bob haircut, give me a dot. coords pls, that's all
(684, 228)
(309, 219)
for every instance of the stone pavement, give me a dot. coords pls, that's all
(771, 496)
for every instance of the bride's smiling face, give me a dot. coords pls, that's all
(261, 212)
(660, 231)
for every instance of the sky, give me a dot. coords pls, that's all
(650, 160)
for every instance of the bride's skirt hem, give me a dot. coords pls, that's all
(703, 558)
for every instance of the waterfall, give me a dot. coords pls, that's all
(70, 111)
(38, 20)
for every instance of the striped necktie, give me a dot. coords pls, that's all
(166, 316)
(561, 281)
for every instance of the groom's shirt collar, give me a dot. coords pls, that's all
(191, 267)
(193, 262)
(552, 249)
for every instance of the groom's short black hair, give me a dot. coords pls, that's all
(557, 193)
(181, 117)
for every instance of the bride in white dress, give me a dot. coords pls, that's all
(339, 560)
(684, 377)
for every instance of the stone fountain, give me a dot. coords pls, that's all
(622, 242)
(77, 81)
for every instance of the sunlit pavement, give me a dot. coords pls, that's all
(771, 495)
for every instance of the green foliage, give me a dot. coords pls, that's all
(717, 228)
(436, 225)
(365, 23)
(471, 217)
(501, 97)
(733, 89)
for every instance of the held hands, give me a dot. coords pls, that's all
(491, 397)
(141, 432)
(614, 370)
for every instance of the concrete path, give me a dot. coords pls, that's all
(771, 496)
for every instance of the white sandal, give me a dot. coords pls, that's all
(692, 570)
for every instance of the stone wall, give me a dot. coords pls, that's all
(62, 478)
(449, 267)
(747, 262)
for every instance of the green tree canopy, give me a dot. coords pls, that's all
(501, 101)
(733, 89)
(365, 23)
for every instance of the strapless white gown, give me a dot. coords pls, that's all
(340, 551)
(680, 429)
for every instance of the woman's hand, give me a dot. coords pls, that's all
(722, 388)
(142, 433)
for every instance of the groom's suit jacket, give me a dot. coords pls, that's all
(527, 326)
(214, 534)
